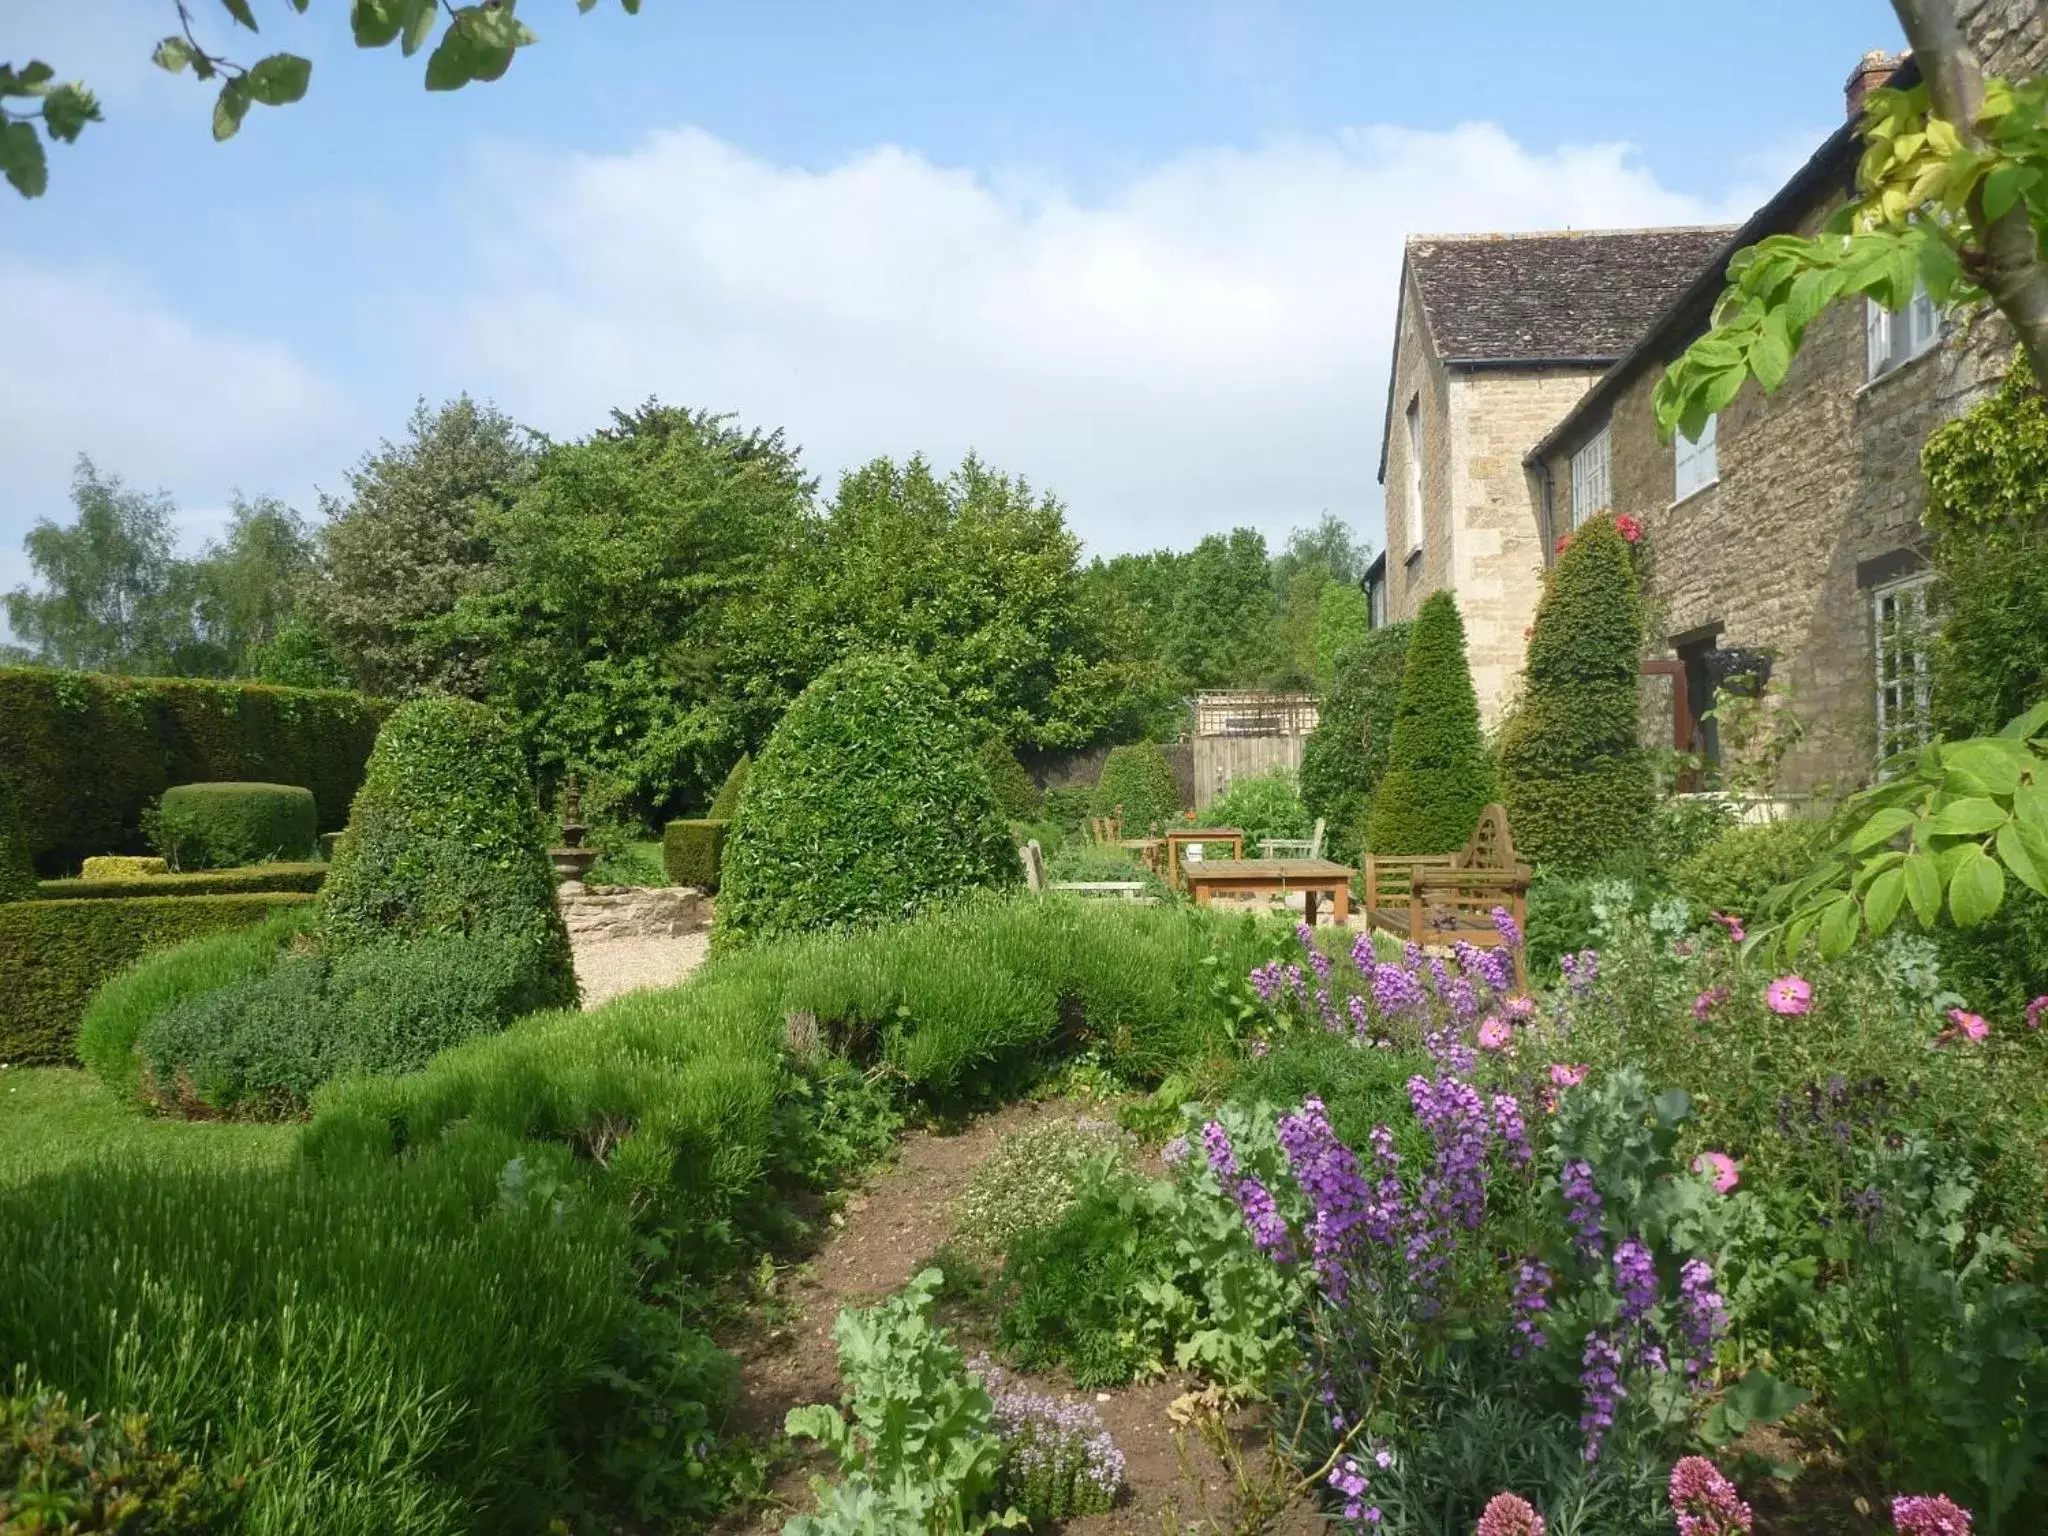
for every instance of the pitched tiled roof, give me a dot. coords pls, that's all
(1549, 297)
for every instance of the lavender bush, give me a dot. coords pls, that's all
(1058, 1458)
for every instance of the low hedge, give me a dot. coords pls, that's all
(305, 878)
(55, 954)
(88, 754)
(224, 825)
(692, 851)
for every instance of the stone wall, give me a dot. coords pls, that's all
(1417, 376)
(595, 913)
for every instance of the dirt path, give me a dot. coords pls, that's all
(887, 1232)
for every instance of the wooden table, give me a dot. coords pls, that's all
(1275, 877)
(1180, 837)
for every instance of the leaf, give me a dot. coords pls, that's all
(279, 79)
(239, 9)
(1722, 387)
(1763, 1399)
(2033, 842)
(2027, 726)
(375, 23)
(231, 107)
(173, 54)
(1882, 902)
(1967, 818)
(453, 63)
(1975, 889)
(66, 111)
(1771, 357)
(1881, 828)
(1812, 292)
(1840, 922)
(418, 17)
(2020, 859)
(29, 80)
(22, 159)
(1923, 886)
(2003, 189)
(1996, 763)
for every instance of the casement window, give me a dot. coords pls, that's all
(1591, 479)
(1903, 635)
(1414, 474)
(1698, 466)
(1899, 338)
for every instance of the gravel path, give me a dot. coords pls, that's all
(610, 967)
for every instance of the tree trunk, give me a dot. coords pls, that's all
(2012, 271)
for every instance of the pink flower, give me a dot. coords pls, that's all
(1720, 1167)
(1562, 541)
(1732, 923)
(1924, 1514)
(1706, 1002)
(2035, 1010)
(1494, 1033)
(1705, 1502)
(1509, 1514)
(1525, 1007)
(1630, 530)
(1964, 1024)
(1789, 995)
(1567, 1077)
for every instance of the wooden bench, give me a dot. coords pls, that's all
(1441, 898)
(1034, 877)
(1273, 877)
(1294, 847)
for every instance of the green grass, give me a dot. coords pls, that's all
(53, 1118)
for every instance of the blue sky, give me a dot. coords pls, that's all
(1143, 253)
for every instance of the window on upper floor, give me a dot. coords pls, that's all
(1698, 464)
(1899, 338)
(1903, 636)
(1414, 474)
(1591, 479)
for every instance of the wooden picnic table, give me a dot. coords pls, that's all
(1275, 877)
(1180, 837)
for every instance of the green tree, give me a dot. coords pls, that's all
(1315, 563)
(114, 597)
(1221, 628)
(1346, 754)
(1574, 777)
(247, 585)
(602, 620)
(1343, 619)
(1438, 778)
(398, 555)
(478, 43)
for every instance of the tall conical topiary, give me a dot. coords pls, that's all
(726, 804)
(866, 804)
(446, 838)
(17, 873)
(1346, 754)
(1575, 778)
(1137, 788)
(1438, 778)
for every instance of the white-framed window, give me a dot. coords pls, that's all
(1903, 635)
(1591, 478)
(1899, 338)
(1697, 463)
(1414, 473)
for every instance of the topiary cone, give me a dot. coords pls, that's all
(1438, 778)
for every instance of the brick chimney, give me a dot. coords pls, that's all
(1871, 71)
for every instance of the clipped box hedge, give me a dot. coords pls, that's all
(87, 754)
(691, 852)
(227, 825)
(55, 954)
(304, 878)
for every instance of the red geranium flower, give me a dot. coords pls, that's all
(1630, 530)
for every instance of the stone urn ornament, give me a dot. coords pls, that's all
(572, 860)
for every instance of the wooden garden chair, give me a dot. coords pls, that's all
(1441, 898)
(1293, 847)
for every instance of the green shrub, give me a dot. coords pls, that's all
(1260, 805)
(89, 754)
(1137, 788)
(2001, 965)
(446, 838)
(693, 851)
(17, 870)
(726, 803)
(1015, 792)
(224, 826)
(66, 1471)
(1739, 869)
(1085, 861)
(1577, 784)
(1029, 1182)
(54, 955)
(1683, 825)
(118, 868)
(1438, 778)
(1071, 1290)
(1346, 754)
(867, 803)
(165, 980)
(307, 878)
(1068, 804)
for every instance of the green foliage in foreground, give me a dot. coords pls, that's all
(867, 804)
(1438, 776)
(65, 1470)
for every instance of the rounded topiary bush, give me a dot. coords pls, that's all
(227, 825)
(867, 803)
(1346, 754)
(1578, 786)
(1438, 778)
(446, 838)
(726, 803)
(17, 873)
(1015, 792)
(1137, 788)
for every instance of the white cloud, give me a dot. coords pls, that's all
(99, 365)
(1207, 345)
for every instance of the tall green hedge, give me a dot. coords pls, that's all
(866, 803)
(726, 804)
(1574, 776)
(88, 754)
(17, 871)
(1346, 754)
(1438, 777)
(55, 954)
(447, 838)
(1137, 788)
(306, 876)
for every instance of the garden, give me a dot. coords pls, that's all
(1708, 1200)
